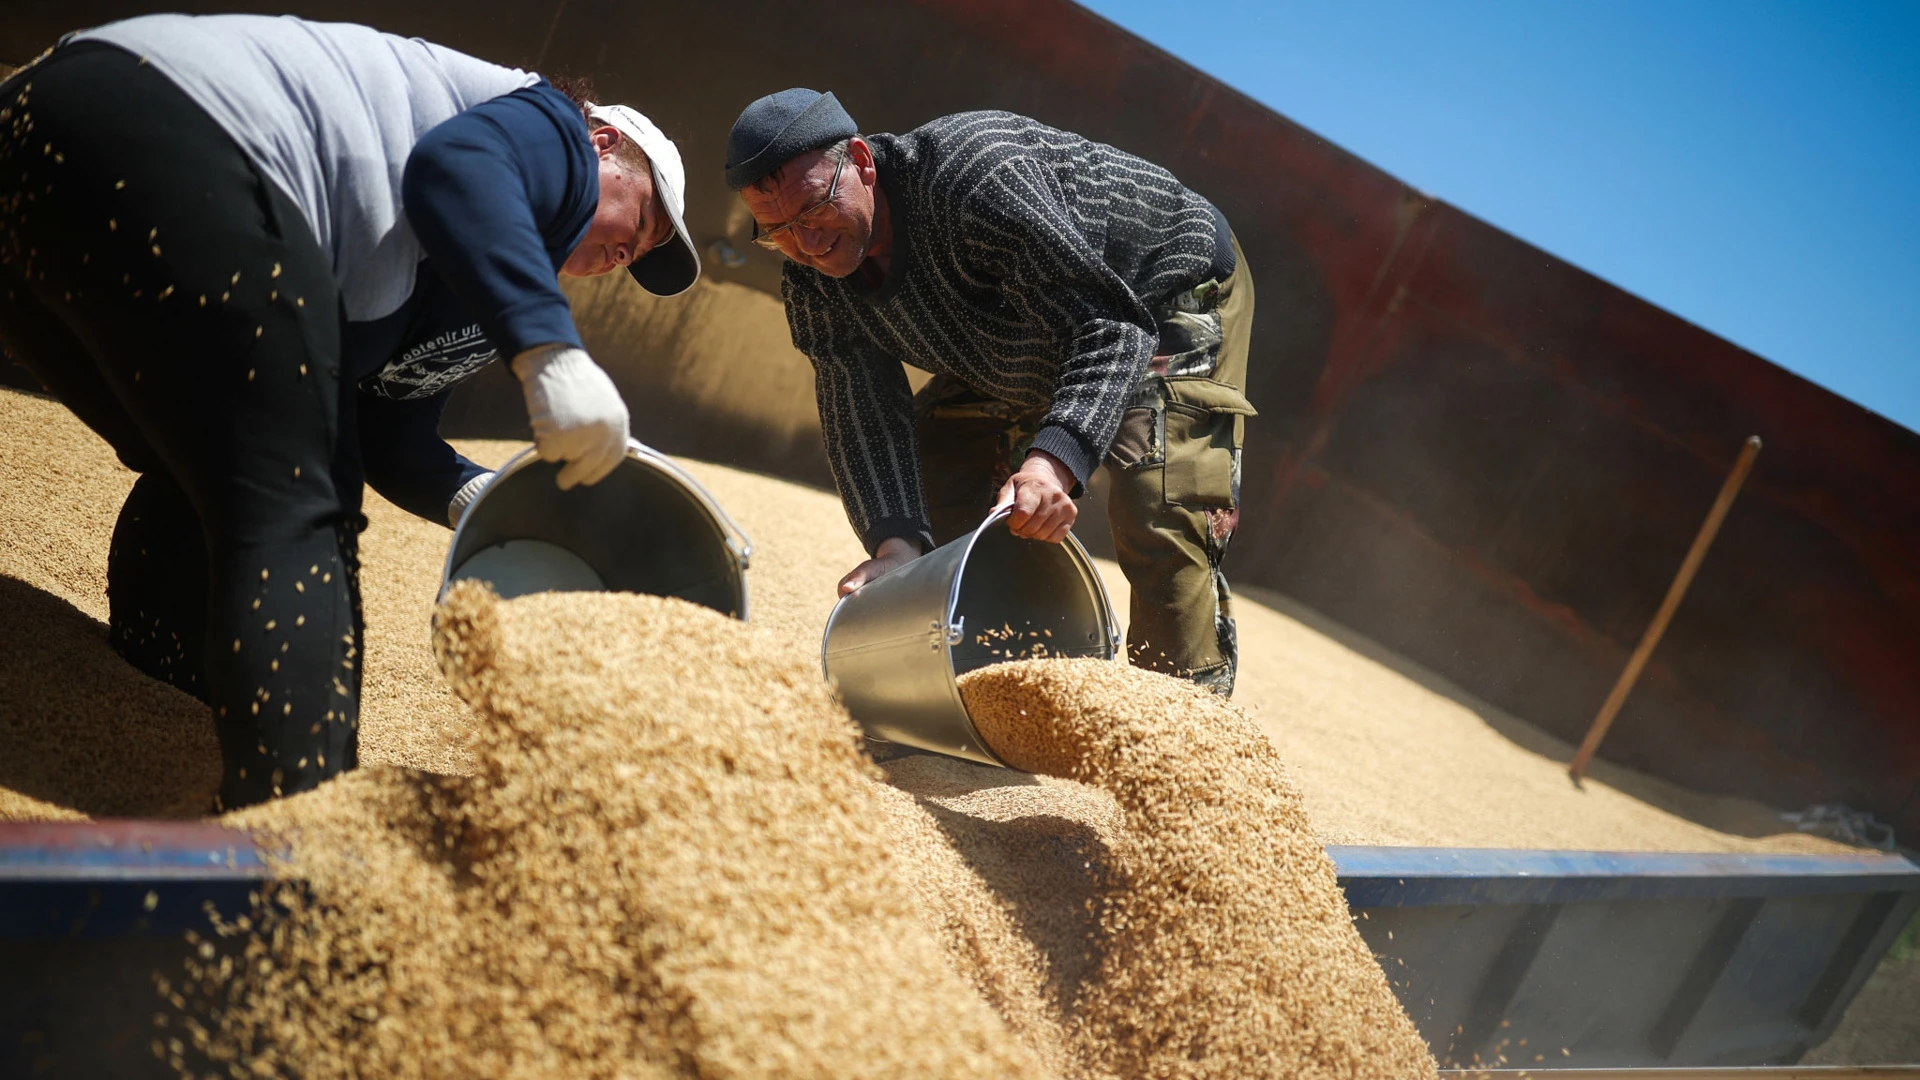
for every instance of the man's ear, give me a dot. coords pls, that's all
(861, 155)
(605, 140)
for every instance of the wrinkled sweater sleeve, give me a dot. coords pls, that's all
(866, 420)
(1023, 235)
(498, 196)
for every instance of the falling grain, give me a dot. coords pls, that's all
(1227, 949)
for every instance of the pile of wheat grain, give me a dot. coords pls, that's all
(686, 867)
(671, 860)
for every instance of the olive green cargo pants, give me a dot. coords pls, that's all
(1174, 465)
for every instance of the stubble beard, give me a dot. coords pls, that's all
(847, 243)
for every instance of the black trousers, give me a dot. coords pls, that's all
(179, 304)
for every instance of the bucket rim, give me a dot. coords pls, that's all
(952, 633)
(739, 544)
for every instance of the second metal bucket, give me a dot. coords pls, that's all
(897, 646)
(648, 527)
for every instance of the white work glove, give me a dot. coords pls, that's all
(464, 498)
(576, 413)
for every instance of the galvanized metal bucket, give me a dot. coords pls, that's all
(648, 527)
(897, 646)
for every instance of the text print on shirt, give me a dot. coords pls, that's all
(432, 365)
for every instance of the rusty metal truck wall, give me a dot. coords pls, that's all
(1482, 457)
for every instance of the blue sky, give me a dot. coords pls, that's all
(1751, 166)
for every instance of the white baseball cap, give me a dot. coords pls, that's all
(674, 266)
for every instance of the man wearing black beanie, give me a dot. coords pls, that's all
(1077, 306)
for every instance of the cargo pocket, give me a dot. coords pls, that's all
(1205, 425)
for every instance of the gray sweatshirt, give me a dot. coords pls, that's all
(329, 112)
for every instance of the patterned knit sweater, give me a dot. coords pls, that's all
(1025, 263)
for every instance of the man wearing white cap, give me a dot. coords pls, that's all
(254, 254)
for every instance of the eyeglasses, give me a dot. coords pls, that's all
(771, 239)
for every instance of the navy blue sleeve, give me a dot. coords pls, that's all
(405, 458)
(498, 197)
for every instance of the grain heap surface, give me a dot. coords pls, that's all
(1226, 945)
(1005, 869)
(82, 733)
(673, 868)
(85, 734)
(1365, 735)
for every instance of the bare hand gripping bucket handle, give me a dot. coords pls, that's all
(649, 527)
(897, 646)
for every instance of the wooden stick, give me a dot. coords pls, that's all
(1638, 661)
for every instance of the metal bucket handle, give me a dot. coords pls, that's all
(956, 631)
